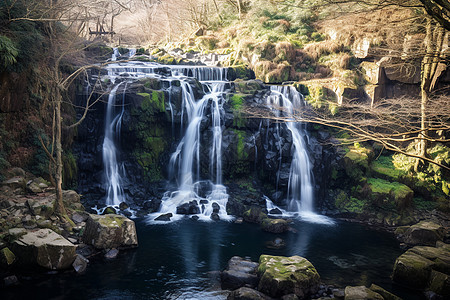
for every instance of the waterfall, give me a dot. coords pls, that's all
(204, 197)
(113, 171)
(284, 101)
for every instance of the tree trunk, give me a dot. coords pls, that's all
(60, 209)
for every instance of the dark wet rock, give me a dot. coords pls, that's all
(239, 220)
(164, 217)
(123, 206)
(290, 297)
(277, 243)
(152, 205)
(215, 217)
(110, 231)
(215, 207)
(424, 233)
(361, 293)
(287, 275)
(246, 293)
(11, 280)
(195, 218)
(190, 208)
(274, 225)
(275, 211)
(111, 254)
(80, 263)
(85, 250)
(239, 272)
(254, 215)
(385, 294)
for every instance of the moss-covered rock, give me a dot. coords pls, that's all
(412, 270)
(110, 231)
(424, 233)
(386, 295)
(383, 167)
(440, 283)
(382, 192)
(274, 225)
(287, 275)
(7, 258)
(254, 215)
(356, 161)
(361, 293)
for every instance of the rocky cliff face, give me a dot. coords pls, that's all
(256, 153)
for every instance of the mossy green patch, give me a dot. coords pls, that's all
(111, 220)
(237, 103)
(384, 167)
(241, 135)
(384, 191)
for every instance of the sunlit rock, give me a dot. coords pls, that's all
(110, 231)
(287, 275)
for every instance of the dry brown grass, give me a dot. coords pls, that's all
(316, 50)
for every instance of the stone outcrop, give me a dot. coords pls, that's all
(274, 225)
(361, 293)
(45, 248)
(424, 233)
(287, 275)
(110, 231)
(423, 267)
(239, 273)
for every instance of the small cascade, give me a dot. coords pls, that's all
(113, 171)
(131, 52)
(284, 101)
(115, 54)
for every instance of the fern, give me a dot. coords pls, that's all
(8, 52)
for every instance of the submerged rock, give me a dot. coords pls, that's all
(110, 231)
(111, 254)
(245, 293)
(240, 272)
(274, 225)
(361, 293)
(287, 275)
(80, 263)
(45, 248)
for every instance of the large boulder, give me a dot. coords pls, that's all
(425, 267)
(240, 272)
(361, 293)
(424, 233)
(287, 275)
(45, 248)
(110, 231)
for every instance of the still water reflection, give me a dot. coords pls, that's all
(179, 261)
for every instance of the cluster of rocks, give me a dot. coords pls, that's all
(287, 278)
(425, 266)
(31, 235)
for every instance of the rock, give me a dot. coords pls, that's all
(111, 254)
(439, 256)
(385, 294)
(215, 217)
(274, 225)
(338, 294)
(7, 258)
(15, 182)
(123, 206)
(412, 270)
(424, 233)
(11, 280)
(254, 215)
(109, 210)
(215, 207)
(289, 297)
(45, 248)
(152, 205)
(79, 218)
(190, 208)
(34, 187)
(245, 293)
(287, 275)
(277, 243)
(275, 211)
(361, 293)
(195, 218)
(240, 272)
(110, 231)
(239, 220)
(164, 217)
(80, 263)
(440, 283)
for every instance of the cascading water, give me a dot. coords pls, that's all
(205, 197)
(284, 101)
(185, 162)
(113, 171)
